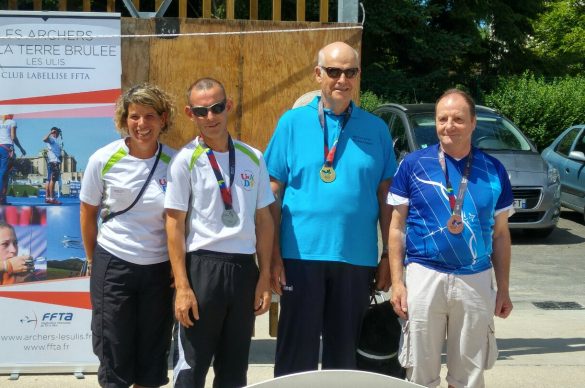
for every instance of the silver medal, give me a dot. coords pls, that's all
(229, 217)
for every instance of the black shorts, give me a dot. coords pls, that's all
(131, 320)
(54, 171)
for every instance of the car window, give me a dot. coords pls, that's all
(423, 129)
(564, 145)
(397, 131)
(494, 132)
(580, 143)
(386, 116)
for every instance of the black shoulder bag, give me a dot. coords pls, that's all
(142, 190)
(377, 349)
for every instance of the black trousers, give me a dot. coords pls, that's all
(321, 299)
(131, 321)
(224, 285)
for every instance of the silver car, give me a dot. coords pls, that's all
(535, 183)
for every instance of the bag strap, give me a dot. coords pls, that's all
(142, 190)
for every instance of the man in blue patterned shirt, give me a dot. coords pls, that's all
(449, 227)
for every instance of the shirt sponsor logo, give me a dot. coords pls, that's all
(163, 184)
(362, 139)
(248, 180)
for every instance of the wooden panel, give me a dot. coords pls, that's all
(86, 5)
(324, 11)
(230, 10)
(182, 8)
(264, 74)
(12, 4)
(63, 5)
(215, 56)
(301, 10)
(157, 4)
(136, 4)
(37, 5)
(253, 9)
(207, 9)
(276, 10)
(111, 7)
(286, 64)
(136, 51)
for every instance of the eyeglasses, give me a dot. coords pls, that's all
(335, 72)
(201, 111)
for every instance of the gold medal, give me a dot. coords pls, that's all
(327, 174)
(455, 224)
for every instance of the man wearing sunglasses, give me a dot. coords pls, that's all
(220, 189)
(330, 163)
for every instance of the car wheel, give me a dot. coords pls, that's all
(540, 233)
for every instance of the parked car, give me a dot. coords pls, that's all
(535, 183)
(567, 154)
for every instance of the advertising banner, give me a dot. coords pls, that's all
(60, 75)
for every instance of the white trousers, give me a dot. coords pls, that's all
(460, 307)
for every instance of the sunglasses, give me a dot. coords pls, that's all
(335, 72)
(202, 111)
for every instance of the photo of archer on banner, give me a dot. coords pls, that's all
(23, 242)
(44, 178)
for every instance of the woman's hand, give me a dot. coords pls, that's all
(20, 264)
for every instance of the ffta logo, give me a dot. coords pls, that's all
(51, 317)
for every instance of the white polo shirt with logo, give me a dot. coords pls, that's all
(193, 188)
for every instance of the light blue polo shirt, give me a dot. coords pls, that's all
(334, 221)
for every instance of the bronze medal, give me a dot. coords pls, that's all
(327, 174)
(455, 224)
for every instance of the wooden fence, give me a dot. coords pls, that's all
(264, 65)
(206, 7)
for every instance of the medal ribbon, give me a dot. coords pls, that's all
(330, 153)
(456, 204)
(226, 193)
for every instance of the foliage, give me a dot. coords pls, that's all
(541, 108)
(415, 49)
(22, 190)
(559, 37)
(369, 101)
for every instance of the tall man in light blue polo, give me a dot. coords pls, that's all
(330, 165)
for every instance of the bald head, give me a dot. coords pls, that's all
(337, 70)
(337, 50)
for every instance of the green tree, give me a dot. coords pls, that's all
(414, 49)
(541, 108)
(559, 37)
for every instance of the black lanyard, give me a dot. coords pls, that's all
(142, 190)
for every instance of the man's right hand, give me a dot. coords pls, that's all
(277, 276)
(186, 302)
(398, 300)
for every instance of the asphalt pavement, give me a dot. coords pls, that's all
(539, 347)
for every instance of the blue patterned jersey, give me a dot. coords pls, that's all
(421, 180)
